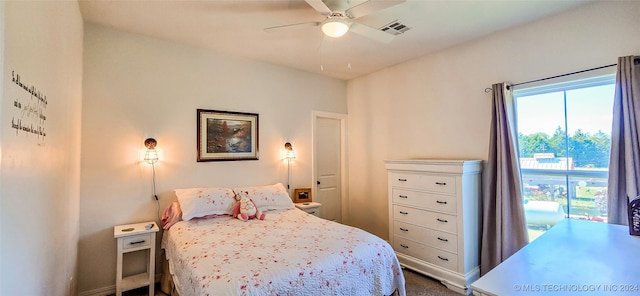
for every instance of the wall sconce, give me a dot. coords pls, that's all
(151, 156)
(289, 156)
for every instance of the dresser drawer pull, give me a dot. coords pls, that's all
(443, 239)
(404, 213)
(442, 258)
(402, 180)
(441, 202)
(442, 220)
(138, 242)
(403, 196)
(441, 183)
(404, 246)
(404, 229)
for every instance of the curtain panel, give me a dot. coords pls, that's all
(504, 229)
(624, 163)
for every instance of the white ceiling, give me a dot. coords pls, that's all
(237, 28)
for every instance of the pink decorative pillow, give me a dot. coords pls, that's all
(172, 215)
(200, 202)
(270, 197)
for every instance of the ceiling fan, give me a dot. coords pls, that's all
(339, 21)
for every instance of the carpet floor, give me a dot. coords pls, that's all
(416, 285)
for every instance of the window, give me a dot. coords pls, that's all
(564, 141)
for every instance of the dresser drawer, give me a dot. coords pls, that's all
(437, 239)
(433, 220)
(136, 241)
(444, 203)
(432, 255)
(436, 183)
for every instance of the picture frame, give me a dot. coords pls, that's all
(227, 135)
(302, 195)
(633, 210)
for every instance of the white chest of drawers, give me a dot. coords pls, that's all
(434, 218)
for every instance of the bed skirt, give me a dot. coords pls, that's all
(166, 281)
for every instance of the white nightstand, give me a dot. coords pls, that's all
(312, 208)
(131, 238)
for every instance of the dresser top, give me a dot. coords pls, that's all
(434, 161)
(442, 165)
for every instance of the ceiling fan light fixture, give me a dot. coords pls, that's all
(335, 27)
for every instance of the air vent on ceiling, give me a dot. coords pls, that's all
(395, 28)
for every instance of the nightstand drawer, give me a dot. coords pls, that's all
(312, 208)
(136, 241)
(313, 211)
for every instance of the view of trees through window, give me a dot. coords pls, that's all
(586, 150)
(564, 140)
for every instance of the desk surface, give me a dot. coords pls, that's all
(575, 257)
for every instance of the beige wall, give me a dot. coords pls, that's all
(39, 194)
(137, 87)
(436, 107)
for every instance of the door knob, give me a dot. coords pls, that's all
(318, 182)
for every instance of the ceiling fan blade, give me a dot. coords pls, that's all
(369, 7)
(371, 33)
(274, 28)
(320, 7)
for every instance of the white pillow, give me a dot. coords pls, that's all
(269, 197)
(200, 202)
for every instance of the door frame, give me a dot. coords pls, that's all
(343, 158)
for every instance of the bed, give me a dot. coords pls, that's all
(290, 252)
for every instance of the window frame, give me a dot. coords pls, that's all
(598, 78)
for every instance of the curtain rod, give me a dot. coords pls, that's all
(488, 89)
(561, 75)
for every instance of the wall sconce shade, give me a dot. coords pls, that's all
(290, 153)
(289, 156)
(335, 27)
(151, 155)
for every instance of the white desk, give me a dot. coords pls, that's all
(574, 257)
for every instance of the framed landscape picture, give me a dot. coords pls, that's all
(225, 136)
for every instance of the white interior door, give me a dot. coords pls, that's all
(329, 165)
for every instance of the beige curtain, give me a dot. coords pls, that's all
(624, 164)
(504, 229)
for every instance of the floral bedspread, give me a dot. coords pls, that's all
(289, 253)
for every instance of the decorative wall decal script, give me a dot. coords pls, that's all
(30, 116)
(15, 78)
